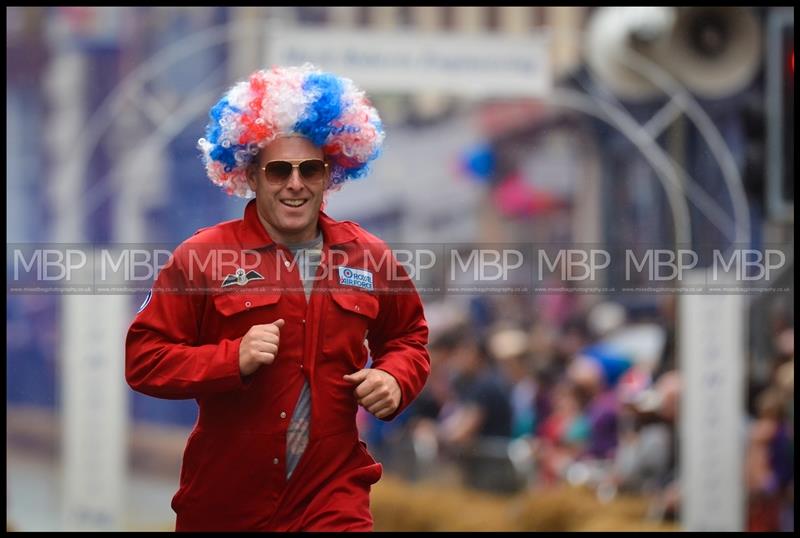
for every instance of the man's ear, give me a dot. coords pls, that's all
(250, 173)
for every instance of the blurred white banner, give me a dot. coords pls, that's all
(468, 65)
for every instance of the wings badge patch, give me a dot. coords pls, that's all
(240, 278)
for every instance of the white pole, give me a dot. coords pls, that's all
(94, 400)
(711, 344)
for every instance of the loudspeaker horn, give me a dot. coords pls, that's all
(714, 51)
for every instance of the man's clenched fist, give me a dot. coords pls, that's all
(259, 346)
(377, 391)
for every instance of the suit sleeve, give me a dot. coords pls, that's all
(162, 355)
(398, 339)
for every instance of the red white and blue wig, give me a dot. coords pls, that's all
(291, 101)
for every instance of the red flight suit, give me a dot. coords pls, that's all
(184, 343)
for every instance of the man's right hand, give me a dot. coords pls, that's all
(259, 346)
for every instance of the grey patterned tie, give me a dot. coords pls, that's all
(308, 256)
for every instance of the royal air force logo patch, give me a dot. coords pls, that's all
(355, 277)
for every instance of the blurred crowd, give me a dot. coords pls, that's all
(534, 394)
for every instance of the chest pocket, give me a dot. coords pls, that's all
(231, 304)
(349, 316)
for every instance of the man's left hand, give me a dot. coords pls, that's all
(377, 391)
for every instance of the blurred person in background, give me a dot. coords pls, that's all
(422, 425)
(589, 380)
(573, 336)
(563, 435)
(784, 381)
(769, 463)
(770, 452)
(274, 352)
(425, 410)
(481, 407)
(475, 426)
(547, 355)
(510, 349)
(645, 461)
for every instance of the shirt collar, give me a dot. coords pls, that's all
(254, 235)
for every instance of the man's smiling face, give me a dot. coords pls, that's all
(289, 209)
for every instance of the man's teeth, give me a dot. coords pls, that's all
(294, 203)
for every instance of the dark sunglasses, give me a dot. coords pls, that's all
(311, 170)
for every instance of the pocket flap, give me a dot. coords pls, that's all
(229, 304)
(356, 302)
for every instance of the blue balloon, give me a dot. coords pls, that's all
(480, 161)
